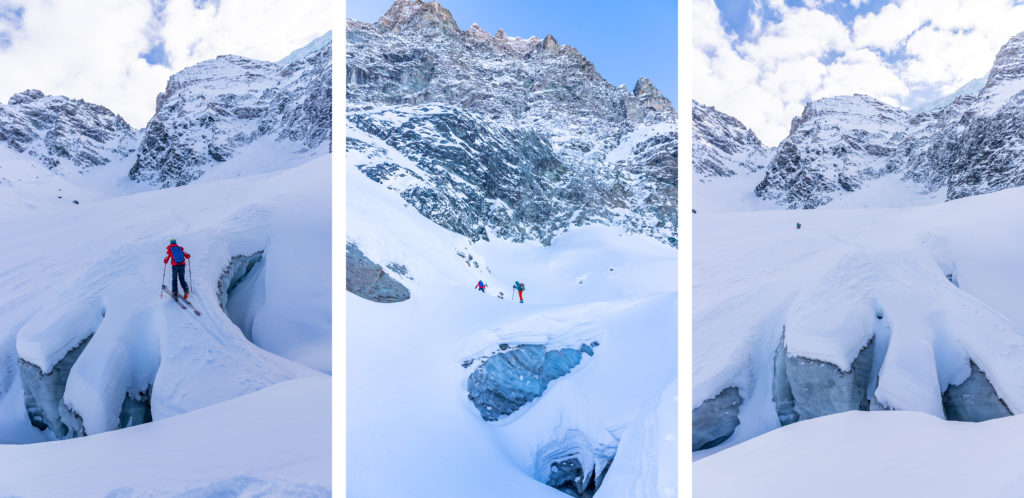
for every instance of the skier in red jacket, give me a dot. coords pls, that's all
(177, 256)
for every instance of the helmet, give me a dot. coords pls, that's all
(174, 241)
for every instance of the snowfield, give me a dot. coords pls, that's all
(883, 454)
(230, 414)
(409, 363)
(905, 307)
(208, 452)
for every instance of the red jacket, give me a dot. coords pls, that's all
(168, 258)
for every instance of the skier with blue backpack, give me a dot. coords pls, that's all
(177, 256)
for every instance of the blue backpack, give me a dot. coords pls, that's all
(177, 254)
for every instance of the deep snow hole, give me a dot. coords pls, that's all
(242, 290)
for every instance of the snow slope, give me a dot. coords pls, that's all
(883, 454)
(936, 288)
(208, 452)
(408, 410)
(92, 271)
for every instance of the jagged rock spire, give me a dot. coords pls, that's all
(651, 97)
(417, 14)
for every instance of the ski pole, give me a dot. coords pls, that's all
(162, 278)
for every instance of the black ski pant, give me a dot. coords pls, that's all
(178, 273)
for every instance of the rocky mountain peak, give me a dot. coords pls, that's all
(419, 15)
(213, 109)
(549, 42)
(25, 97)
(59, 131)
(651, 97)
(484, 116)
(1009, 63)
(722, 146)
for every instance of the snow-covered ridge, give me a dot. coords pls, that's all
(970, 88)
(308, 50)
(721, 143)
(64, 135)
(545, 93)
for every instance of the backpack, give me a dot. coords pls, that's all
(522, 286)
(177, 254)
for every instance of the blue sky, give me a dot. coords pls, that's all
(762, 61)
(624, 40)
(736, 14)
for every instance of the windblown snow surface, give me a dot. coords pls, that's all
(916, 300)
(231, 417)
(412, 429)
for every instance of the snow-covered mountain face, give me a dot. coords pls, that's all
(503, 136)
(210, 110)
(836, 144)
(721, 145)
(985, 145)
(970, 145)
(63, 134)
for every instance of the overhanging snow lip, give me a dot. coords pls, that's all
(35, 344)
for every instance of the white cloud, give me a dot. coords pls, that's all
(907, 49)
(266, 29)
(90, 50)
(862, 71)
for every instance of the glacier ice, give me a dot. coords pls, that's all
(569, 477)
(576, 463)
(576, 455)
(136, 408)
(44, 391)
(508, 380)
(973, 400)
(238, 290)
(715, 419)
(805, 388)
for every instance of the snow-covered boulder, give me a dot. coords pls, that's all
(368, 280)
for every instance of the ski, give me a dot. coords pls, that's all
(178, 301)
(194, 310)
